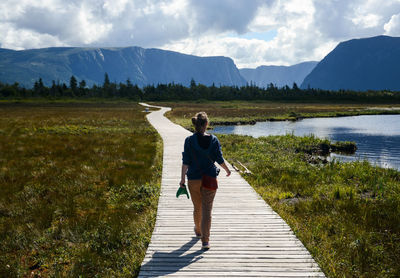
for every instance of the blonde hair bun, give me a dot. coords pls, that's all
(200, 121)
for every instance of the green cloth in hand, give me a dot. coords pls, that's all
(182, 190)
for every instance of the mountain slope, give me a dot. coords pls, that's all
(141, 66)
(278, 75)
(360, 64)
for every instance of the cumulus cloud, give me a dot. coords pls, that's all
(296, 38)
(90, 22)
(20, 39)
(74, 25)
(341, 20)
(393, 26)
(304, 29)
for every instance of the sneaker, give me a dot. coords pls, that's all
(205, 246)
(197, 234)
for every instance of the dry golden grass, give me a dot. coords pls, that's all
(79, 185)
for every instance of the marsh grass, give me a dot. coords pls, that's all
(249, 112)
(346, 214)
(79, 186)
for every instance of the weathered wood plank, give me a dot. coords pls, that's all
(248, 238)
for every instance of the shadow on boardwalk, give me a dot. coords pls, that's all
(163, 263)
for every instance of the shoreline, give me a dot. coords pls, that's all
(300, 116)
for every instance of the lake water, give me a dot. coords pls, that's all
(377, 136)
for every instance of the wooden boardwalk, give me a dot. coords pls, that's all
(248, 239)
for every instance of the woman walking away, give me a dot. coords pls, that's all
(201, 151)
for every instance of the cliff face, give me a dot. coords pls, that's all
(141, 66)
(360, 64)
(278, 75)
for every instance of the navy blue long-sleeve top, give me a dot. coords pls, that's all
(199, 159)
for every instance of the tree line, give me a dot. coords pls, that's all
(175, 92)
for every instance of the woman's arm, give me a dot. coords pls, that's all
(183, 174)
(186, 161)
(228, 172)
(220, 159)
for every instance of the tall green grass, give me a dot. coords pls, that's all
(79, 186)
(346, 214)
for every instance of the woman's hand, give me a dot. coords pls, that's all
(228, 172)
(183, 175)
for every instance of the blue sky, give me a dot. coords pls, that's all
(265, 36)
(251, 32)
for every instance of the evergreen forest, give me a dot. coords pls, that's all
(175, 92)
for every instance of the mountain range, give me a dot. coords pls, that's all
(359, 64)
(280, 76)
(141, 66)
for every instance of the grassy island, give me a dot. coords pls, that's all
(79, 185)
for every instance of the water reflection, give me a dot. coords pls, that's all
(377, 136)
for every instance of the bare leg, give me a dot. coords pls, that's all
(207, 198)
(195, 194)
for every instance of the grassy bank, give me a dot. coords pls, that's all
(46, 101)
(346, 214)
(79, 184)
(249, 112)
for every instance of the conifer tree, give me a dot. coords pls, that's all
(73, 84)
(82, 84)
(106, 80)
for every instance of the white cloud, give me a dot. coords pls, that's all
(305, 29)
(88, 27)
(393, 26)
(114, 7)
(20, 39)
(367, 20)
